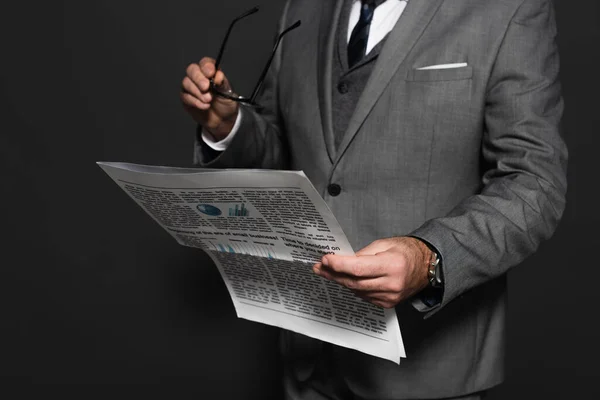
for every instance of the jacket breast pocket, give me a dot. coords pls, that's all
(445, 74)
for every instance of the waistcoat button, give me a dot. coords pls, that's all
(334, 189)
(342, 87)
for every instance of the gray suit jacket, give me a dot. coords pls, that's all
(468, 159)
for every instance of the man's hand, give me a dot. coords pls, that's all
(385, 273)
(216, 114)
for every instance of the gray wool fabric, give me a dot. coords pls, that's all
(348, 84)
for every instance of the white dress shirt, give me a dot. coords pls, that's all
(384, 18)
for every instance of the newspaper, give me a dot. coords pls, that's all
(264, 230)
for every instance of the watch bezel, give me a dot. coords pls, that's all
(434, 271)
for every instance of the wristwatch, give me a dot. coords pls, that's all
(434, 274)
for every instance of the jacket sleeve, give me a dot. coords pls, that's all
(260, 141)
(524, 185)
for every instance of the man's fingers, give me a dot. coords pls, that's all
(190, 87)
(379, 284)
(207, 66)
(363, 285)
(201, 75)
(194, 72)
(360, 267)
(191, 101)
(219, 80)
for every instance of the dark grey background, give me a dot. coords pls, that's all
(93, 291)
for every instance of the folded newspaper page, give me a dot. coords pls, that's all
(264, 230)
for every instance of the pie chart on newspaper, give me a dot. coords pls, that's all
(209, 210)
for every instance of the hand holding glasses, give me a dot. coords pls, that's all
(229, 94)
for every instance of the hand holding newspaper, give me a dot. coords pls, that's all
(264, 230)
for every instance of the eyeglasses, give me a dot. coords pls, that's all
(229, 94)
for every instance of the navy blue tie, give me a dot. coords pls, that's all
(357, 46)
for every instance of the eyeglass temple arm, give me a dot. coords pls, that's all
(266, 69)
(244, 15)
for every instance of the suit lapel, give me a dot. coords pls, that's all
(330, 17)
(412, 23)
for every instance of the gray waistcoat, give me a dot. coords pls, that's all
(348, 84)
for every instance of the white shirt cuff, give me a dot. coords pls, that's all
(222, 145)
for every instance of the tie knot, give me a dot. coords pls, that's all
(372, 3)
(366, 10)
(368, 3)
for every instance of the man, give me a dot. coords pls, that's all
(437, 149)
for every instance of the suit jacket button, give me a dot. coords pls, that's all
(334, 189)
(342, 87)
